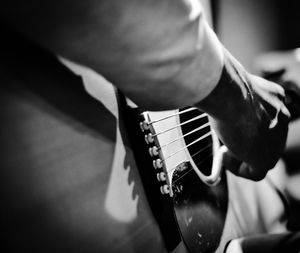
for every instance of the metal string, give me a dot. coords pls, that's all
(190, 144)
(210, 155)
(198, 152)
(181, 124)
(181, 137)
(173, 115)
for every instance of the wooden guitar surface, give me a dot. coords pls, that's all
(69, 179)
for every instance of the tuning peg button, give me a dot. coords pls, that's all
(153, 151)
(165, 189)
(157, 164)
(161, 176)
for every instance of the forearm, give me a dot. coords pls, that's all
(249, 116)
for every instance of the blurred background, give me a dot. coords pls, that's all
(251, 27)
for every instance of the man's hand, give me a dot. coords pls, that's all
(284, 68)
(250, 118)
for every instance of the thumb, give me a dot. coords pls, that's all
(240, 168)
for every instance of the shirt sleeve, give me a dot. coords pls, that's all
(170, 50)
(161, 54)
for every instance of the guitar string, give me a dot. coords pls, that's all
(179, 125)
(191, 169)
(187, 134)
(175, 114)
(197, 153)
(185, 147)
(185, 174)
(190, 144)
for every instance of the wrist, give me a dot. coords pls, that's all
(232, 94)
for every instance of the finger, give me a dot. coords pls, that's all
(285, 112)
(276, 89)
(247, 171)
(242, 169)
(265, 87)
(231, 163)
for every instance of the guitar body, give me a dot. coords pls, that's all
(69, 174)
(186, 145)
(69, 182)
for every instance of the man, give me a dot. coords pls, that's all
(149, 50)
(163, 48)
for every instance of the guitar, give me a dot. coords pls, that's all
(76, 173)
(187, 160)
